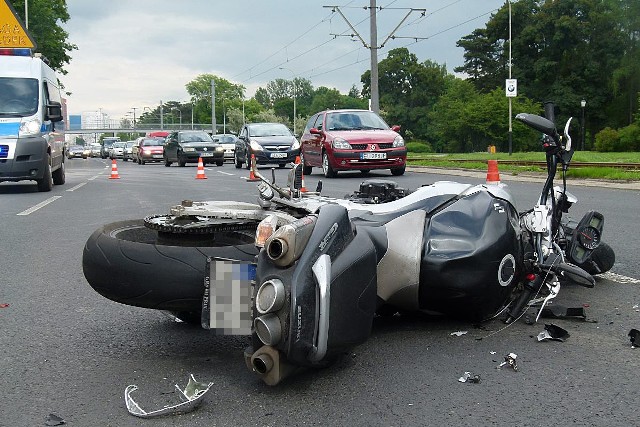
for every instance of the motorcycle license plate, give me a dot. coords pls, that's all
(278, 155)
(206, 154)
(373, 156)
(226, 304)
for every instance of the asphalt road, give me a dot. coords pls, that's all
(65, 350)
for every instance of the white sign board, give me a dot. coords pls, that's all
(512, 88)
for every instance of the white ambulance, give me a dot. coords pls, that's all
(31, 127)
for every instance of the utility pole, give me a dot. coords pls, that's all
(213, 107)
(373, 44)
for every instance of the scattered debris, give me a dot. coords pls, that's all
(468, 377)
(190, 397)
(458, 333)
(510, 359)
(634, 337)
(53, 420)
(561, 312)
(4, 305)
(553, 332)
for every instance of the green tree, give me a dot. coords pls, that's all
(225, 91)
(51, 39)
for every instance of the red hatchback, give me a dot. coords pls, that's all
(343, 140)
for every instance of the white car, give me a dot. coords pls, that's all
(228, 142)
(117, 150)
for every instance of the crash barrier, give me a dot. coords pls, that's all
(493, 176)
(200, 174)
(114, 170)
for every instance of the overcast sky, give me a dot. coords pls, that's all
(137, 53)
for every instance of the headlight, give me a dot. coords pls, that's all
(147, 152)
(341, 143)
(30, 127)
(255, 146)
(295, 145)
(189, 149)
(219, 149)
(398, 142)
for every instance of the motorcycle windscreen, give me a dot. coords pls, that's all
(472, 257)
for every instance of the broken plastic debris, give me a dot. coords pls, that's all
(53, 420)
(468, 377)
(4, 305)
(634, 337)
(191, 397)
(553, 332)
(560, 312)
(510, 359)
(458, 333)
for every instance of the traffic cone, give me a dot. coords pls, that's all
(303, 189)
(252, 175)
(493, 176)
(114, 170)
(200, 174)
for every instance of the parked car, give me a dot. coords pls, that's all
(127, 154)
(117, 150)
(228, 142)
(187, 146)
(270, 143)
(342, 140)
(95, 150)
(148, 149)
(75, 151)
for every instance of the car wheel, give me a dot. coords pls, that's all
(306, 170)
(46, 182)
(237, 161)
(59, 176)
(135, 265)
(247, 158)
(365, 171)
(142, 162)
(282, 165)
(398, 171)
(328, 171)
(220, 163)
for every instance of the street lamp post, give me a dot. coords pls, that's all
(294, 97)
(180, 112)
(583, 104)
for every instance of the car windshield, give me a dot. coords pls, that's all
(119, 144)
(197, 136)
(151, 142)
(130, 144)
(18, 97)
(354, 120)
(225, 139)
(268, 129)
(76, 147)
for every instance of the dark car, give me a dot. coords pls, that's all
(228, 142)
(342, 140)
(148, 149)
(187, 146)
(270, 143)
(75, 151)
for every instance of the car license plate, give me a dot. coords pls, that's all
(226, 304)
(206, 154)
(373, 156)
(157, 156)
(278, 155)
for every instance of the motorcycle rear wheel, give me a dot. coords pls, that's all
(131, 264)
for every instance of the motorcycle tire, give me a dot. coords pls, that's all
(134, 265)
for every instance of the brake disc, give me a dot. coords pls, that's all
(192, 224)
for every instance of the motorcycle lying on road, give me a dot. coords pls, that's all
(304, 275)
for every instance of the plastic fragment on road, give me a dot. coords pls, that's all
(4, 305)
(553, 332)
(468, 377)
(458, 333)
(561, 312)
(634, 337)
(53, 420)
(510, 359)
(190, 398)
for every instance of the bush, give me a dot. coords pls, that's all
(607, 140)
(419, 147)
(629, 138)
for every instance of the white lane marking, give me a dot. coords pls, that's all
(39, 205)
(619, 278)
(77, 186)
(226, 173)
(94, 177)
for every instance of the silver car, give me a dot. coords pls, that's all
(228, 142)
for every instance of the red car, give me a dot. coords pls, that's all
(343, 140)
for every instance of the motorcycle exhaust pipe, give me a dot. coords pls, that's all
(268, 365)
(270, 296)
(268, 329)
(287, 243)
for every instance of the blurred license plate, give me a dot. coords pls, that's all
(206, 154)
(226, 304)
(278, 155)
(373, 156)
(157, 156)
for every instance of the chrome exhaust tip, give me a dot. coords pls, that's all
(277, 248)
(268, 329)
(270, 296)
(262, 364)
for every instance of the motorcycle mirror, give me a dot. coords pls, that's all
(574, 274)
(540, 124)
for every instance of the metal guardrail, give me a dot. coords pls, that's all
(615, 165)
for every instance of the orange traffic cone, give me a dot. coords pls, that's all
(200, 174)
(303, 189)
(493, 176)
(114, 170)
(252, 175)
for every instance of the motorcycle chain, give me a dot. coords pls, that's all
(196, 224)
